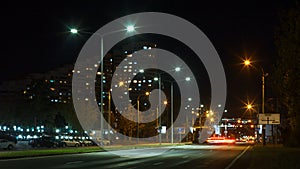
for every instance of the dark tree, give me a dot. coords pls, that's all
(60, 121)
(286, 77)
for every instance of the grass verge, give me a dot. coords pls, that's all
(60, 151)
(274, 157)
(46, 152)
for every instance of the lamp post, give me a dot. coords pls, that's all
(138, 112)
(129, 28)
(247, 63)
(177, 69)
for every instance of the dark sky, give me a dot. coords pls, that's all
(35, 39)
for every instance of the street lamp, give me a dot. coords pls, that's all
(247, 63)
(129, 28)
(74, 31)
(138, 111)
(177, 69)
(249, 106)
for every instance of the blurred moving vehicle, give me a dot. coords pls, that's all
(220, 140)
(6, 136)
(44, 141)
(7, 144)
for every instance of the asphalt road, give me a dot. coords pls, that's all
(187, 156)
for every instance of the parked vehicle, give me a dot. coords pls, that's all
(44, 141)
(7, 144)
(4, 135)
(69, 143)
(104, 142)
(87, 143)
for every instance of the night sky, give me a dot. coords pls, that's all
(35, 36)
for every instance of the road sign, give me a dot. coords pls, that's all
(163, 129)
(268, 118)
(180, 130)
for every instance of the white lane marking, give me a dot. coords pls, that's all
(73, 162)
(158, 163)
(236, 158)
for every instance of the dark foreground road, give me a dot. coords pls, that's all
(183, 157)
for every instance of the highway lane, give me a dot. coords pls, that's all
(187, 156)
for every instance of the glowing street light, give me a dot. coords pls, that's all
(177, 69)
(74, 31)
(247, 62)
(249, 106)
(129, 28)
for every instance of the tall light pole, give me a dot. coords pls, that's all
(172, 113)
(129, 28)
(177, 69)
(138, 115)
(247, 63)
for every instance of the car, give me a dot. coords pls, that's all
(69, 143)
(4, 135)
(220, 140)
(104, 142)
(7, 144)
(44, 141)
(87, 142)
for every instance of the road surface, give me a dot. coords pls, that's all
(183, 157)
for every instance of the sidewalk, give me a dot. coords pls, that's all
(269, 157)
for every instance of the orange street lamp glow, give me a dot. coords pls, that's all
(249, 106)
(247, 62)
